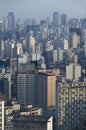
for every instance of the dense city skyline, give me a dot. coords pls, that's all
(41, 9)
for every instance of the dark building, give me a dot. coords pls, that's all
(33, 122)
(55, 19)
(63, 19)
(4, 87)
(11, 21)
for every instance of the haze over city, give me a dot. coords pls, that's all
(42, 64)
(42, 8)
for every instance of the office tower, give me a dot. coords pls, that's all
(1, 115)
(19, 48)
(14, 87)
(2, 48)
(55, 19)
(10, 49)
(24, 44)
(71, 105)
(83, 35)
(84, 39)
(11, 21)
(46, 90)
(26, 87)
(73, 71)
(7, 49)
(31, 44)
(63, 19)
(13, 49)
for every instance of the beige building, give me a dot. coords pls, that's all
(32, 42)
(46, 89)
(75, 40)
(71, 104)
(65, 42)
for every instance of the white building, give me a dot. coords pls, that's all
(35, 57)
(65, 42)
(73, 71)
(57, 55)
(19, 49)
(32, 42)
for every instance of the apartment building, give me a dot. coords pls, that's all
(71, 104)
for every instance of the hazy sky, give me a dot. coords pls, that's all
(42, 8)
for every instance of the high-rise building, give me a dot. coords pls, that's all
(46, 89)
(63, 19)
(10, 49)
(26, 87)
(2, 48)
(7, 49)
(65, 42)
(75, 40)
(11, 21)
(73, 71)
(57, 55)
(84, 39)
(31, 44)
(1, 115)
(55, 19)
(71, 105)
(37, 88)
(19, 49)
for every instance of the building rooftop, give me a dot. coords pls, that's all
(32, 118)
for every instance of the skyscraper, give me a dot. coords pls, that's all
(1, 48)
(84, 40)
(55, 19)
(11, 21)
(31, 44)
(46, 89)
(63, 19)
(26, 87)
